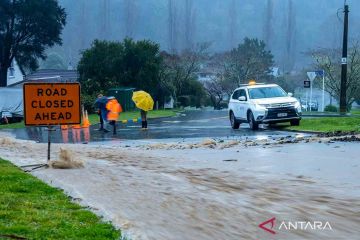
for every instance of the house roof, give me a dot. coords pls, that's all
(49, 75)
(65, 75)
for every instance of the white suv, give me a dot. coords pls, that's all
(263, 103)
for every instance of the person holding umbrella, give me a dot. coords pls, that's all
(143, 115)
(145, 103)
(100, 103)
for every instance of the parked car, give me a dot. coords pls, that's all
(263, 103)
(307, 106)
(11, 105)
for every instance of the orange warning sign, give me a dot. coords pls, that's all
(51, 104)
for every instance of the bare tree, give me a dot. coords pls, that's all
(290, 40)
(268, 23)
(172, 26)
(130, 14)
(233, 23)
(250, 60)
(82, 22)
(215, 90)
(189, 24)
(178, 70)
(222, 66)
(104, 19)
(328, 59)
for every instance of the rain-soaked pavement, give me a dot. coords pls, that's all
(190, 124)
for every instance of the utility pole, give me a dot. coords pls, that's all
(344, 62)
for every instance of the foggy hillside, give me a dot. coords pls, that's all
(289, 27)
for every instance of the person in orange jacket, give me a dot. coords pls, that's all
(114, 108)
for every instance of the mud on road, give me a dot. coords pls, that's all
(210, 189)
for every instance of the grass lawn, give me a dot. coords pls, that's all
(31, 209)
(355, 111)
(328, 124)
(94, 118)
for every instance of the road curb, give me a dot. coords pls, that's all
(307, 131)
(328, 115)
(300, 131)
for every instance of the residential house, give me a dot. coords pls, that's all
(15, 73)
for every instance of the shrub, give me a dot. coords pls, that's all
(224, 105)
(331, 108)
(184, 101)
(88, 102)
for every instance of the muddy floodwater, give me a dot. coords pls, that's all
(209, 190)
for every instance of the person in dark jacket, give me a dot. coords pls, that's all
(100, 104)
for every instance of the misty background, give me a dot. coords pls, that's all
(290, 28)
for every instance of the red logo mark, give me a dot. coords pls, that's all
(272, 221)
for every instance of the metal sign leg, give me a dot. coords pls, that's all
(37, 166)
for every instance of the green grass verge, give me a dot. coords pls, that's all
(94, 118)
(29, 208)
(328, 124)
(12, 125)
(355, 111)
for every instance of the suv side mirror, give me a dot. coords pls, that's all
(242, 98)
(290, 94)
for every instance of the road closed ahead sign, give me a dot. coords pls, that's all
(51, 104)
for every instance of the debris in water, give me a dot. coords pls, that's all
(230, 160)
(66, 161)
(6, 142)
(229, 144)
(208, 142)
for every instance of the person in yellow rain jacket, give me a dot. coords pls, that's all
(114, 108)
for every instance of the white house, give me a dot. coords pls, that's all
(15, 74)
(275, 71)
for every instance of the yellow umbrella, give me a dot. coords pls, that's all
(143, 100)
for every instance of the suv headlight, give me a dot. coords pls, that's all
(263, 105)
(295, 104)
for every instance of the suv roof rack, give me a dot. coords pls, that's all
(247, 84)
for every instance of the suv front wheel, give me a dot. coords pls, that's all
(234, 124)
(252, 123)
(295, 122)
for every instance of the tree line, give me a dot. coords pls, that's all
(141, 65)
(28, 28)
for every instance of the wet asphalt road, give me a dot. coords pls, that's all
(190, 124)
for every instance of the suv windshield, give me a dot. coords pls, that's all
(266, 92)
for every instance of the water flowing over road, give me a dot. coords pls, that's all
(209, 190)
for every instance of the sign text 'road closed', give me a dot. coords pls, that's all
(51, 103)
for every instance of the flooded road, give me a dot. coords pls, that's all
(190, 124)
(209, 191)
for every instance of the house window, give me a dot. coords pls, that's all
(12, 70)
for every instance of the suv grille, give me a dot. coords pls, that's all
(273, 112)
(280, 105)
